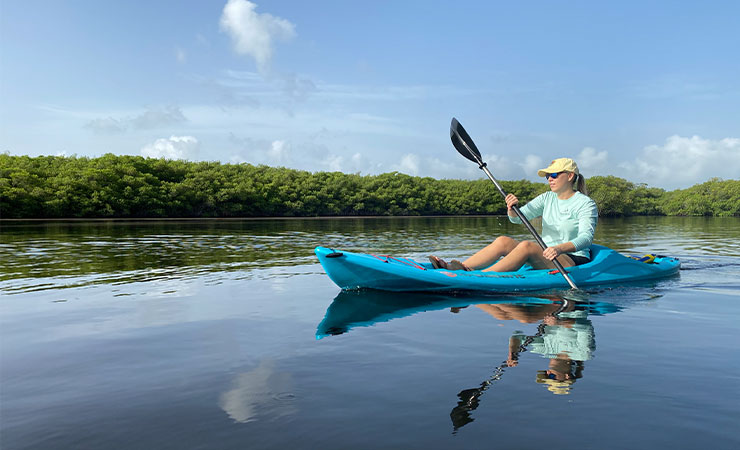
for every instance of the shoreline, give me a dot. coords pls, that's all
(192, 219)
(236, 219)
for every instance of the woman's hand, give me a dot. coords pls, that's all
(550, 253)
(550, 320)
(512, 360)
(511, 200)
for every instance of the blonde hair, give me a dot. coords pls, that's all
(579, 184)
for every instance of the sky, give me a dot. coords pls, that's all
(648, 91)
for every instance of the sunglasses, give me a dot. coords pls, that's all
(552, 175)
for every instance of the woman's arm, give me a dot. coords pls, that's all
(531, 210)
(557, 250)
(587, 217)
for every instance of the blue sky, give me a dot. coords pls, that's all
(648, 91)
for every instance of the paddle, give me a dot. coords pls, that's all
(466, 147)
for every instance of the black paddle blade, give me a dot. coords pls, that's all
(463, 143)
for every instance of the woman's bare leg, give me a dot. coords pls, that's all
(491, 253)
(527, 252)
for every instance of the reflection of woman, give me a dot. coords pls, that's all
(567, 339)
(565, 336)
(522, 313)
(568, 222)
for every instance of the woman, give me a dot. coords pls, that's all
(568, 222)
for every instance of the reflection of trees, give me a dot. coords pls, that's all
(146, 250)
(128, 251)
(262, 391)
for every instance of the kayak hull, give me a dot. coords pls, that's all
(364, 308)
(367, 271)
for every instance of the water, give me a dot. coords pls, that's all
(227, 334)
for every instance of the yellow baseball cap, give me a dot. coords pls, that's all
(559, 165)
(556, 387)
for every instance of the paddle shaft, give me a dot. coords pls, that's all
(529, 226)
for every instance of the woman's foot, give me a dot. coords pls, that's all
(457, 265)
(437, 263)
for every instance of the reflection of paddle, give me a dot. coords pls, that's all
(469, 398)
(460, 414)
(466, 147)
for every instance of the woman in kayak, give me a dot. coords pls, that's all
(568, 222)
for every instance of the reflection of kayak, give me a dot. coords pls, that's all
(607, 267)
(352, 309)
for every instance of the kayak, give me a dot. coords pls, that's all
(352, 309)
(368, 271)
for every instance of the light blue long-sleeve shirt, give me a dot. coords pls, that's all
(576, 341)
(572, 220)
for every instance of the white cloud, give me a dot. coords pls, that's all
(684, 161)
(239, 88)
(175, 147)
(158, 117)
(151, 118)
(262, 389)
(531, 164)
(278, 153)
(262, 151)
(253, 33)
(336, 163)
(591, 162)
(358, 162)
(106, 125)
(333, 163)
(409, 164)
(415, 165)
(503, 168)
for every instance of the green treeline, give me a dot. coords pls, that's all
(133, 186)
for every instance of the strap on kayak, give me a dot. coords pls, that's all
(648, 258)
(408, 262)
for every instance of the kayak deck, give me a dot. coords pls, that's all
(361, 271)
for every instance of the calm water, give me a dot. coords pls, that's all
(227, 334)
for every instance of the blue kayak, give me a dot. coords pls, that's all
(367, 271)
(352, 309)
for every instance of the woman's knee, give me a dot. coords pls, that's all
(505, 241)
(530, 247)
